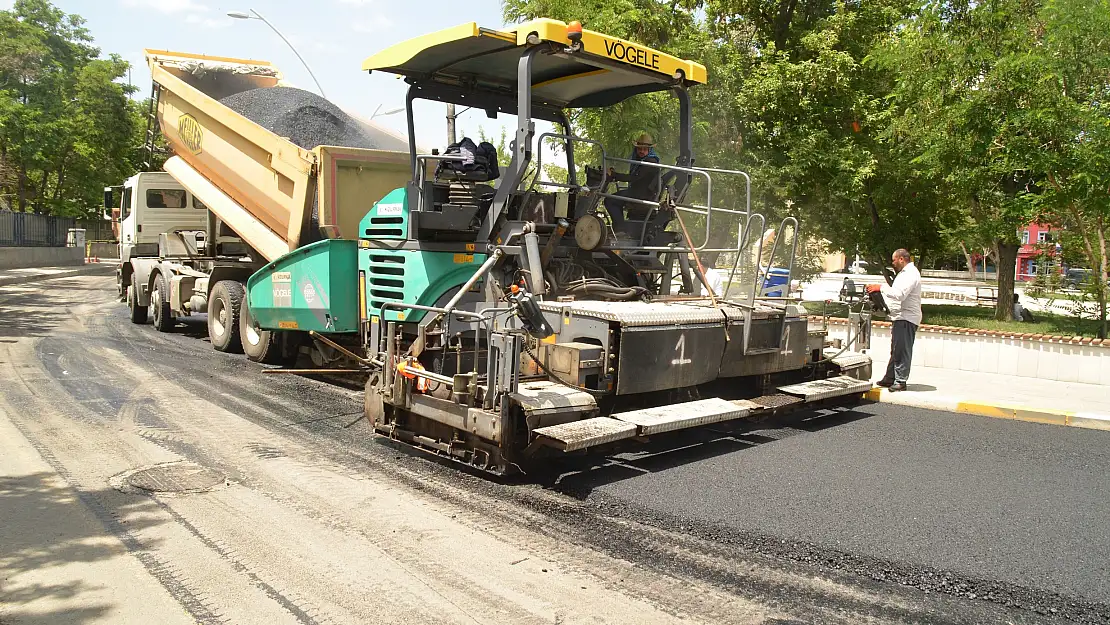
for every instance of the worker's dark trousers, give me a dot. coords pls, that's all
(901, 351)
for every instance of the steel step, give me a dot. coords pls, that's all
(680, 416)
(577, 435)
(847, 359)
(816, 390)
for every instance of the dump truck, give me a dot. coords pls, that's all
(500, 318)
(236, 197)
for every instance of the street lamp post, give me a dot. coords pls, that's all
(255, 15)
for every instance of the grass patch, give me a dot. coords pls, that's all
(982, 318)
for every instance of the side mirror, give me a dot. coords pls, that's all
(109, 205)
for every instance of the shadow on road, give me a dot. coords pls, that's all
(48, 533)
(33, 310)
(579, 476)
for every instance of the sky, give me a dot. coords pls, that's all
(333, 36)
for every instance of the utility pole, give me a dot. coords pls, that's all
(451, 124)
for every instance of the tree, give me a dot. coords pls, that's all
(66, 125)
(790, 100)
(1067, 129)
(962, 95)
(1003, 103)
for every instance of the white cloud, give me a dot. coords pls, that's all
(373, 25)
(357, 3)
(168, 6)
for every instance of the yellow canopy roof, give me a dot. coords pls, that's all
(606, 70)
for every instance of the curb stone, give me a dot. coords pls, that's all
(1016, 412)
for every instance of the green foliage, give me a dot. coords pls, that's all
(67, 128)
(983, 319)
(790, 100)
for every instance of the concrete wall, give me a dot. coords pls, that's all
(20, 257)
(1007, 355)
(102, 250)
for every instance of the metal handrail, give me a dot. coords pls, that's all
(743, 243)
(422, 163)
(688, 170)
(747, 183)
(774, 248)
(562, 185)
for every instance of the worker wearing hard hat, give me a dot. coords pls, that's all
(643, 183)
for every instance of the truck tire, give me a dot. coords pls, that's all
(259, 345)
(224, 306)
(138, 313)
(160, 304)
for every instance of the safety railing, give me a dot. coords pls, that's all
(706, 210)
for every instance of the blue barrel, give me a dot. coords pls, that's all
(779, 278)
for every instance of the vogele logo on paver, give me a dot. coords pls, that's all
(191, 132)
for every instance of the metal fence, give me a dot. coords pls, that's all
(97, 229)
(31, 230)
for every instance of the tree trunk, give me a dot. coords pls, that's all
(40, 197)
(1006, 264)
(970, 263)
(22, 187)
(1104, 275)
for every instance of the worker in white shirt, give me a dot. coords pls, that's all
(715, 277)
(904, 300)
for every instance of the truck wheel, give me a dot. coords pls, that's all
(224, 306)
(138, 313)
(259, 345)
(160, 304)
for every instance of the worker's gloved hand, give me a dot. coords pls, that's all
(874, 288)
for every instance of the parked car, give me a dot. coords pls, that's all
(1075, 278)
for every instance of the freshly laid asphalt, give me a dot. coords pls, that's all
(1001, 521)
(988, 499)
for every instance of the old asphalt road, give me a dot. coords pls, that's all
(145, 478)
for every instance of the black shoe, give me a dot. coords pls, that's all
(884, 383)
(898, 386)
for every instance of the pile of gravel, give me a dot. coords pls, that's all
(304, 117)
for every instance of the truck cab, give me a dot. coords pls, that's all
(152, 203)
(149, 204)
